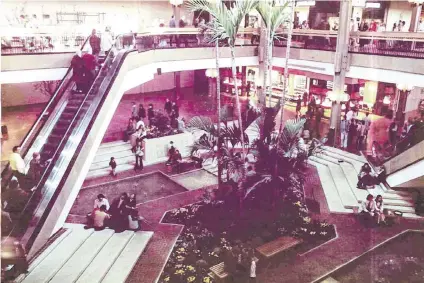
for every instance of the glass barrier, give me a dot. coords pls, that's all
(381, 153)
(401, 44)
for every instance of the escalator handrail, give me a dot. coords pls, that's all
(26, 142)
(392, 148)
(56, 155)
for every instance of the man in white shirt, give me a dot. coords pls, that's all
(349, 116)
(101, 200)
(17, 164)
(367, 124)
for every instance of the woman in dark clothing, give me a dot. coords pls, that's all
(351, 138)
(78, 71)
(393, 129)
(130, 129)
(368, 180)
(150, 113)
(141, 112)
(119, 213)
(298, 105)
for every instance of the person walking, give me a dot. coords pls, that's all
(305, 99)
(393, 129)
(361, 135)
(113, 166)
(367, 125)
(298, 106)
(95, 44)
(139, 156)
(134, 111)
(343, 133)
(318, 117)
(353, 131)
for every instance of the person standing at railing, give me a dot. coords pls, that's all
(106, 41)
(172, 24)
(95, 43)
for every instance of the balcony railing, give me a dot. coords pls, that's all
(400, 44)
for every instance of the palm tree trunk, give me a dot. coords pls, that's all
(233, 67)
(270, 70)
(286, 65)
(218, 102)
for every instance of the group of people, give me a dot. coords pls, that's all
(85, 64)
(174, 156)
(367, 179)
(27, 180)
(241, 263)
(354, 131)
(313, 116)
(374, 209)
(401, 137)
(121, 215)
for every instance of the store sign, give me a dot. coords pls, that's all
(358, 3)
(373, 5)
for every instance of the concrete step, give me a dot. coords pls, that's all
(359, 158)
(119, 161)
(44, 271)
(82, 258)
(355, 163)
(398, 202)
(403, 209)
(101, 264)
(117, 154)
(48, 250)
(123, 265)
(108, 149)
(398, 192)
(345, 192)
(331, 193)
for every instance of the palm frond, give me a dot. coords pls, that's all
(273, 17)
(225, 21)
(202, 123)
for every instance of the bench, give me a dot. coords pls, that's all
(279, 245)
(218, 272)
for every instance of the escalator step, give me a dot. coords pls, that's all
(63, 121)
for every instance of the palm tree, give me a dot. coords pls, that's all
(273, 17)
(286, 63)
(280, 164)
(224, 27)
(218, 102)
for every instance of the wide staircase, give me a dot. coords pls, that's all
(338, 171)
(87, 256)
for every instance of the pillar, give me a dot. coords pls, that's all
(415, 18)
(177, 89)
(176, 11)
(340, 67)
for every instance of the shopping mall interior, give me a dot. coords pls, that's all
(212, 141)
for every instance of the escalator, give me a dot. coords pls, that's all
(58, 135)
(403, 161)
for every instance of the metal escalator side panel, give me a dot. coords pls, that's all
(68, 151)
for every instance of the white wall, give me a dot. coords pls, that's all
(164, 82)
(22, 94)
(398, 10)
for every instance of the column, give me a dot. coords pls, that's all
(177, 89)
(340, 67)
(415, 18)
